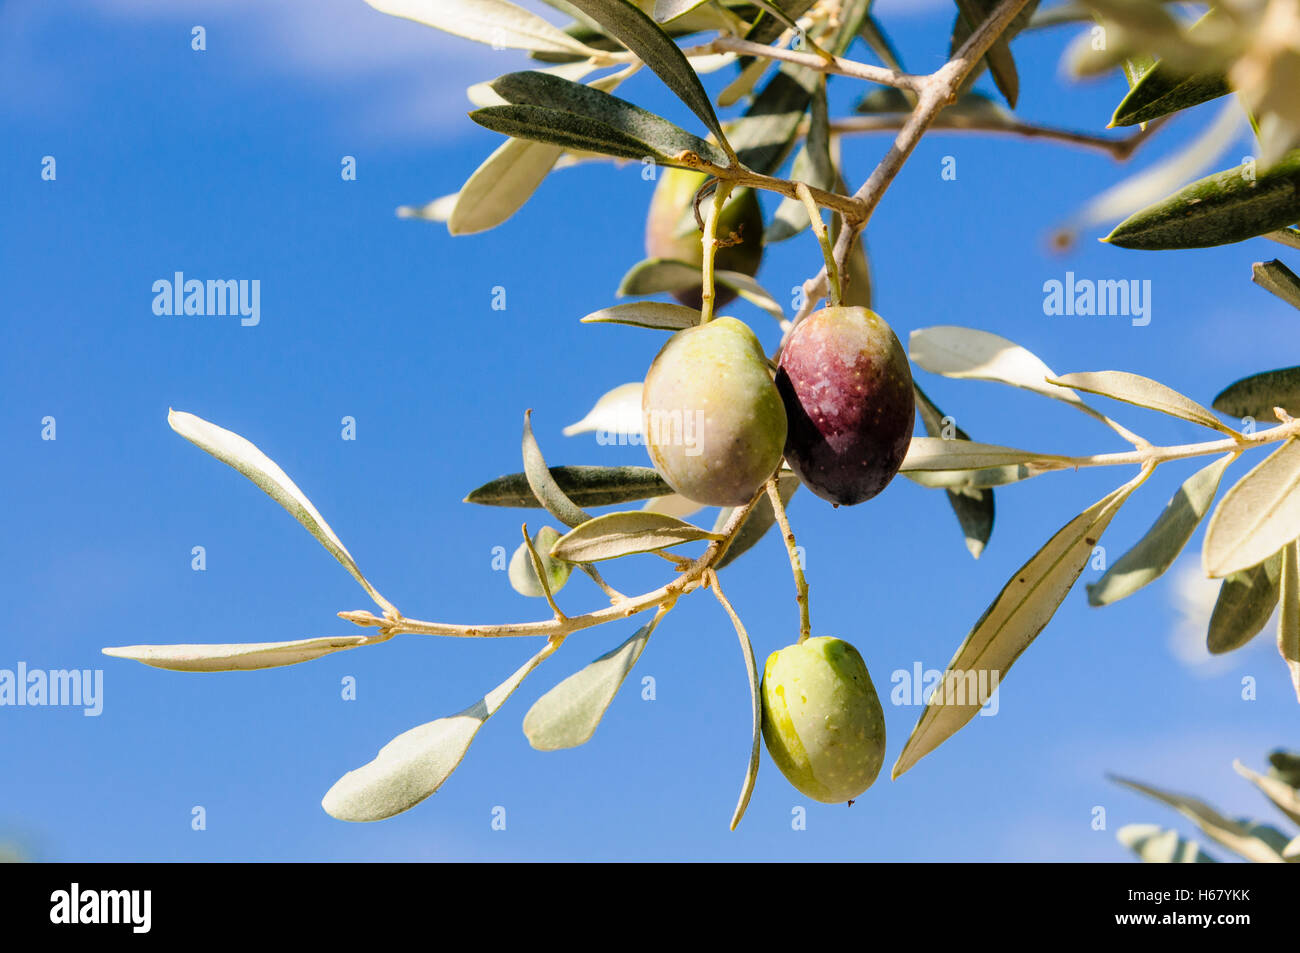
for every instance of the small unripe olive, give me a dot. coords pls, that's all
(822, 721)
(713, 419)
(523, 577)
(741, 219)
(847, 388)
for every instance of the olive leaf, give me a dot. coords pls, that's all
(1143, 392)
(764, 135)
(1288, 617)
(672, 505)
(767, 28)
(553, 109)
(756, 709)
(657, 315)
(1156, 551)
(874, 35)
(1257, 842)
(967, 482)
(417, 762)
(973, 506)
(1229, 206)
(1010, 624)
(1289, 237)
(1285, 766)
(1245, 604)
(1161, 89)
(998, 58)
(659, 276)
(621, 534)
(666, 10)
(495, 22)
(236, 452)
(439, 210)
(640, 34)
(618, 411)
(935, 453)
(812, 166)
(1257, 517)
(749, 289)
(585, 486)
(1284, 797)
(1257, 395)
(235, 657)
(973, 354)
(760, 519)
(1279, 279)
(567, 715)
(1158, 845)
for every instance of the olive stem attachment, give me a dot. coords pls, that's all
(710, 243)
(796, 564)
(823, 238)
(541, 574)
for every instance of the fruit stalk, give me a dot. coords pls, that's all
(710, 247)
(796, 567)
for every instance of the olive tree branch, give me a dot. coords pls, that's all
(692, 576)
(708, 293)
(796, 568)
(826, 63)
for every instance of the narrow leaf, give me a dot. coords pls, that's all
(621, 534)
(1257, 395)
(973, 507)
(585, 486)
(1245, 604)
(234, 451)
(1158, 845)
(749, 289)
(1284, 797)
(972, 354)
(761, 518)
(236, 657)
(1257, 517)
(812, 166)
(567, 715)
(1009, 625)
(417, 762)
(1156, 551)
(1251, 841)
(764, 136)
(543, 485)
(756, 712)
(1143, 392)
(1226, 207)
(657, 315)
(1161, 89)
(494, 22)
(659, 276)
(616, 412)
(1288, 618)
(501, 185)
(935, 453)
(1279, 279)
(640, 34)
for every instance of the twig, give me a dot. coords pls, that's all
(800, 580)
(950, 122)
(822, 64)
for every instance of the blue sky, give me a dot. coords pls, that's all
(225, 163)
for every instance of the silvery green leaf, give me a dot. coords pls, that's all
(495, 22)
(767, 28)
(439, 210)
(618, 412)
(764, 136)
(968, 481)
(674, 505)
(238, 453)
(501, 185)
(1279, 279)
(812, 166)
(1161, 89)
(235, 657)
(761, 518)
(935, 453)
(523, 574)
(640, 34)
(417, 762)
(543, 484)
(744, 83)
(1156, 551)
(1143, 392)
(659, 276)
(1284, 797)
(666, 10)
(1158, 845)
(1288, 618)
(657, 315)
(1257, 395)
(1245, 604)
(973, 506)
(1257, 842)
(1010, 624)
(973, 354)
(749, 289)
(622, 534)
(586, 486)
(1257, 517)
(756, 713)
(998, 59)
(568, 715)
